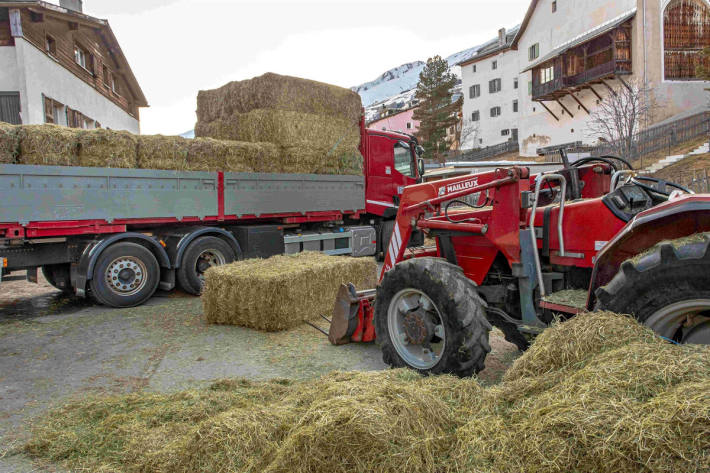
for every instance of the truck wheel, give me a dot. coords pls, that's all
(430, 318)
(200, 256)
(58, 276)
(667, 289)
(125, 275)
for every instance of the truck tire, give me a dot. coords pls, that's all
(666, 288)
(126, 275)
(58, 275)
(202, 254)
(383, 239)
(430, 318)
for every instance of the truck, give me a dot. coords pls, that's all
(118, 235)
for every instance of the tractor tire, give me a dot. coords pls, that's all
(57, 275)
(202, 254)
(126, 275)
(667, 289)
(445, 302)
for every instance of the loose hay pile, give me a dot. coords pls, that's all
(281, 292)
(315, 125)
(597, 394)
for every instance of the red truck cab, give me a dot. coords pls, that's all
(392, 162)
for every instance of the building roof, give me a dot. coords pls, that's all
(524, 25)
(492, 47)
(584, 37)
(103, 30)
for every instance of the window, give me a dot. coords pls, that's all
(529, 87)
(403, 160)
(495, 65)
(409, 125)
(547, 74)
(504, 132)
(474, 68)
(451, 130)
(83, 58)
(534, 51)
(554, 6)
(495, 112)
(10, 107)
(475, 116)
(515, 106)
(515, 83)
(105, 76)
(114, 85)
(495, 86)
(50, 45)
(474, 91)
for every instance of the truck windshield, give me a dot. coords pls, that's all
(403, 160)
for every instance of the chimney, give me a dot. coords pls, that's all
(501, 37)
(76, 5)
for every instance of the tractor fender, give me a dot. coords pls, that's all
(179, 249)
(83, 271)
(676, 218)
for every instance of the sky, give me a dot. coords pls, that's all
(178, 47)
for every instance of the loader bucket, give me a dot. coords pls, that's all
(345, 315)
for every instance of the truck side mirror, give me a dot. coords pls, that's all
(420, 162)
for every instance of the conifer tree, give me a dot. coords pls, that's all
(436, 111)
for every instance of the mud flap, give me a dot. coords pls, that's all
(345, 315)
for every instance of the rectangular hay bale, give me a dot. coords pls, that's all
(277, 92)
(9, 143)
(321, 160)
(108, 148)
(163, 152)
(48, 145)
(285, 128)
(207, 154)
(281, 292)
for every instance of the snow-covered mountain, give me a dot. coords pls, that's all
(403, 78)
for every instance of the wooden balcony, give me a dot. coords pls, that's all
(565, 85)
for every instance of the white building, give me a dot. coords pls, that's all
(571, 54)
(491, 94)
(58, 65)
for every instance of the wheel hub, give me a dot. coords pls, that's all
(686, 321)
(419, 330)
(416, 329)
(206, 260)
(126, 275)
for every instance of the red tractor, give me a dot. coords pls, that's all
(513, 250)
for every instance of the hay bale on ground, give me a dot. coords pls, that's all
(108, 148)
(207, 154)
(281, 292)
(163, 152)
(9, 143)
(49, 145)
(277, 92)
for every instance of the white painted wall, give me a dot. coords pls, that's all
(572, 18)
(42, 75)
(9, 75)
(489, 129)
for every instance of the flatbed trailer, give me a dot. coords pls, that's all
(120, 234)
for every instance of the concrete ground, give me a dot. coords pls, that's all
(54, 348)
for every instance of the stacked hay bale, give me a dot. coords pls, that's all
(9, 143)
(48, 145)
(597, 394)
(280, 292)
(107, 148)
(315, 125)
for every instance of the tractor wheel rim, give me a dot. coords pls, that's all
(692, 316)
(126, 276)
(417, 305)
(207, 260)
